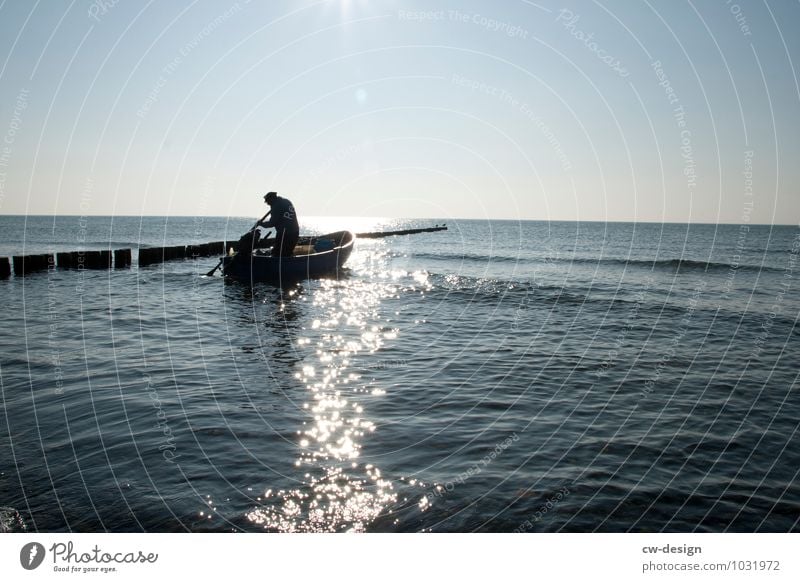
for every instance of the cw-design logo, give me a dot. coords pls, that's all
(31, 555)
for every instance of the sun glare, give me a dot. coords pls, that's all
(347, 6)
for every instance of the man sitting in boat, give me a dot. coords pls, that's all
(284, 220)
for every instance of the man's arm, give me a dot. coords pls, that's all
(282, 212)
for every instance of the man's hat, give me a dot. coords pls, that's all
(270, 196)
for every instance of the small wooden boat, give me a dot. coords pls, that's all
(314, 257)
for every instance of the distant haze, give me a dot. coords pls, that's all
(622, 111)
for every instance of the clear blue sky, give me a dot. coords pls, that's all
(574, 110)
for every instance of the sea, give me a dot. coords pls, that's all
(499, 376)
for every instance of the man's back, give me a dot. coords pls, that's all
(283, 214)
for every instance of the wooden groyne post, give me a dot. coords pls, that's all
(98, 259)
(122, 258)
(436, 228)
(31, 263)
(150, 256)
(84, 260)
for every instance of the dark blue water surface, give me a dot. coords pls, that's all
(499, 376)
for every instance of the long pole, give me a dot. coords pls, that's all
(255, 226)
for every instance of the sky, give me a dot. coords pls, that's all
(664, 111)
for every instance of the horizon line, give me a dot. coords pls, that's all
(614, 221)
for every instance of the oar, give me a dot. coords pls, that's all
(255, 226)
(260, 220)
(214, 270)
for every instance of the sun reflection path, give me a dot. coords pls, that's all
(339, 493)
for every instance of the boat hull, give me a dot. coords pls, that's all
(263, 268)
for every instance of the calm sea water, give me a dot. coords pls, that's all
(500, 376)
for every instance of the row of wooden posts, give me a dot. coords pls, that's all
(147, 256)
(24, 264)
